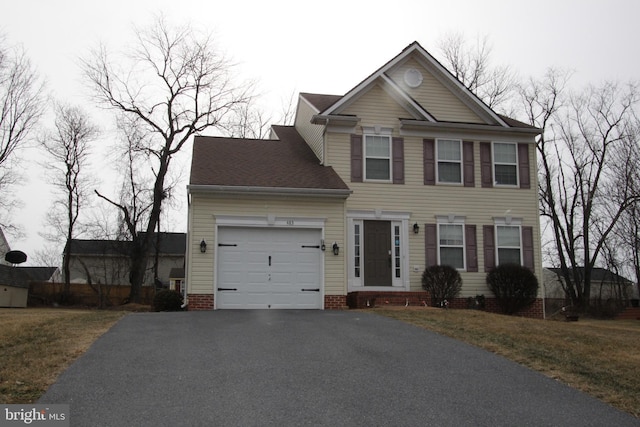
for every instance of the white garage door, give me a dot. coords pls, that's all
(269, 268)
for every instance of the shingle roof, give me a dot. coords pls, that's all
(12, 276)
(287, 162)
(169, 244)
(39, 274)
(598, 275)
(321, 102)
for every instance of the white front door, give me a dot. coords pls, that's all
(269, 268)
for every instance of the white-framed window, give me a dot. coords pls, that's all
(451, 242)
(449, 157)
(505, 163)
(377, 158)
(508, 244)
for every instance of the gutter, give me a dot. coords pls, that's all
(421, 125)
(271, 191)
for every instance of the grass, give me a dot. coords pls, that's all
(601, 358)
(36, 345)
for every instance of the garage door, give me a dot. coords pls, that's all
(269, 268)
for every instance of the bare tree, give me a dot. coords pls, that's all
(68, 150)
(471, 64)
(250, 120)
(174, 84)
(21, 106)
(579, 151)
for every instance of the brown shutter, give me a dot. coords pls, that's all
(431, 245)
(397, 151)
(471, 248)
(485, 164)
(523, 166)
(467, 158)
(356, 158)
(429, 150)
(527, 247)
(489, 247)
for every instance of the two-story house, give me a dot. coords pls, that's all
(406, 170)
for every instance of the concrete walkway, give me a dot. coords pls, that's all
(306, 368)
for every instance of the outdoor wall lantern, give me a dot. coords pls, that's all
(203, 246)
(416, 228)
(336, 248)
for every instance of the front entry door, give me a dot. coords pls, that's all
(377, 253)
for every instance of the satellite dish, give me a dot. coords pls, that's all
(15, 257)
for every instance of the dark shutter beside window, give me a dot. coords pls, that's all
(489, 247)
(523, 165)
(356, 158)
(431, 244)
(471, 247)
(527, 247)
(397, 150)
(467, 157)
(486, 164)
(429, 150)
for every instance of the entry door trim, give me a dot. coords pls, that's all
(397, 218)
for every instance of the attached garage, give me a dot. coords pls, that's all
(262, 268)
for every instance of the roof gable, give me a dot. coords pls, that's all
(437, 76)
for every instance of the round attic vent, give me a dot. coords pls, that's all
(413, 77)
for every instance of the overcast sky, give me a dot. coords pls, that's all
(320, 47)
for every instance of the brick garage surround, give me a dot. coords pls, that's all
(199, 302)
(335, 302)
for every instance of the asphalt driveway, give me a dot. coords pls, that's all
(315, 368)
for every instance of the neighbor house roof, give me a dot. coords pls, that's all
(176, 273)
(39, 274)
(239, 164)
(168, 244)
(12, 276)
(598, 275)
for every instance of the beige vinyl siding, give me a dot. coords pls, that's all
(312, 134)
(434, 96)
(205, 207)
(376, 107)
(424, 202)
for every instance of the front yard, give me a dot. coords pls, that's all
(599, 357)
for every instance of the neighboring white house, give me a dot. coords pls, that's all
(406, 170)
(108, 261)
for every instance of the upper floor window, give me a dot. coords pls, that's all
(505, 163)
(377, 157)
(449, 154)
(508, 244)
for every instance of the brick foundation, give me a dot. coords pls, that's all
(335, 302)
(367, 299)
(370, 299)
(198, 302)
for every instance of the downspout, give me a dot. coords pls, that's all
(185, 286)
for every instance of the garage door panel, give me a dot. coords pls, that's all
(269, 267)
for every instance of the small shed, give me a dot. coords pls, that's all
(14, 287)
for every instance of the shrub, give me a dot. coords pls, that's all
(443, 283)
(514, 286)
(167, 300)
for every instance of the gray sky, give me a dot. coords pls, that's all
(323, 47)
